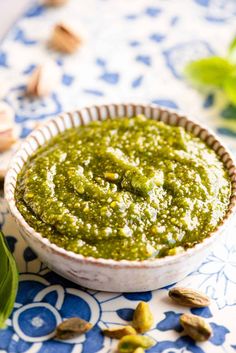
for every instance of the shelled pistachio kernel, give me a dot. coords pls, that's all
(189, 297)
(196, 327)
(128, 344)
(143, 318)
(119, 332)
(71, 328)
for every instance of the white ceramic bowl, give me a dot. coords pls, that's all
(111, 275)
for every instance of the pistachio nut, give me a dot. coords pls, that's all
(129, 343)
(119, 332)
(196, 327)
(71, 328)
(189, 297)
(143, 318)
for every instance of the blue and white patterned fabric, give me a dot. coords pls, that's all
(133, 51)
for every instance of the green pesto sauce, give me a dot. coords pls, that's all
(128, 188)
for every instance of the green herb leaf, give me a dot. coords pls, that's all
(230, 88)
(8, 281)
(210, 71)
(232, 51)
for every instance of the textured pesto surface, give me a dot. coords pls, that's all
(124, 189)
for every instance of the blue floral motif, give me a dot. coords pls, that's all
(218, 11)
(40, 307)
(131, 17)
(29, 69)
(134, 43)
(25, 131)
(204, 312)
(144, 59)
(171, 322)
(35, 11)
(29, 255)
(67, 79)
(157, 37)
(3, 59)
(21, 37)
(94, 92)
(183, 344)
(216, 276)
(125, 314)
(31, 109)
(59, 61)
(101, 62)
(229, 112)
(221, 267)
(209, 101)
(174, 20)
(225, 131)
(165, 103)
(110, 77)
(219, 333)
(142, 296)
(153, 11)
(137, 82)
(11, 241)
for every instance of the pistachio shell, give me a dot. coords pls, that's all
(143, 318)
(65, 39)
(196, 327)
(43, 80)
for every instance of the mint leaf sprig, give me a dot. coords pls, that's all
(8, 281)
(215, 72)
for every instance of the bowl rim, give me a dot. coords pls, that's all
(11, 178)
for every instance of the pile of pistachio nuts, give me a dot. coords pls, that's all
(131, 338)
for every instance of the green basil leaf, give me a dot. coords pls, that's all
(232, 51)
(210, 71)
(8, 281)
(230, 88)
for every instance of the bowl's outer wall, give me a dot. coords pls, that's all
(110, 275)
(118, 278)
